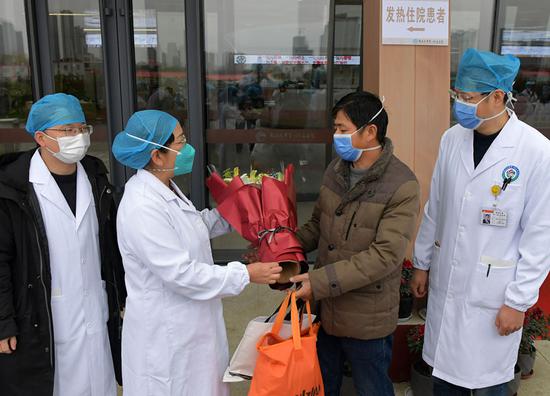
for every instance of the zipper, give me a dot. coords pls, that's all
(101, 198)
(117, 305)
(115, 282)
(45, 291)
(95, 190)
(100, 235)
(350, 224)
(34, 207)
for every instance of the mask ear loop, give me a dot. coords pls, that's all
(148, 141)
(158, 145)
(383, 99)
(370, 121)
(511, 100)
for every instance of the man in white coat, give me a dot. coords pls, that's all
(61, 274)
(174, 341)
(484, 242)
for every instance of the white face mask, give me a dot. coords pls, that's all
(71, 148)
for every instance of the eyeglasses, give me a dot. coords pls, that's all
(181, 141)
(73, 131)
(465, 98)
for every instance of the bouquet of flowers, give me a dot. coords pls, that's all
(261, 207)
(254, 177)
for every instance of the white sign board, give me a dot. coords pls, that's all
(294, 60)
(415, 22)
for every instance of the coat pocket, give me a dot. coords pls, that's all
(63, 318)
(489, 282)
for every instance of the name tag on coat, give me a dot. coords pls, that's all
(494, 217)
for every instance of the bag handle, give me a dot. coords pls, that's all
(309, 318)
(281, 315)
(290, 299)
(295, 323)
(301, 306)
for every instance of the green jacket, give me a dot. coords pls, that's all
(362, 235)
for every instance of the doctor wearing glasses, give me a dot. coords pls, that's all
(482, 249)
(173, 340)
(61, 286)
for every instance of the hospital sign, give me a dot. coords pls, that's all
(415, 22)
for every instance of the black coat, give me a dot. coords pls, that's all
(25, 277)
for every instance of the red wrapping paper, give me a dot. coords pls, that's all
(265, 216)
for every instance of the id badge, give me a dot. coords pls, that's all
(494, 217)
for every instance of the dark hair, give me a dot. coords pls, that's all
(167, 143)
(360, 107)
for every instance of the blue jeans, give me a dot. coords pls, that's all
(369, 359)
(443, 388)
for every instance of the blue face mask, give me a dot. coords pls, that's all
(344, 146)
(466, 113)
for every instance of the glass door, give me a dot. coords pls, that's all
(15, 78)
(523, 30)
(117, 57)
(267, 88)
(348, 17)
(161, 61)
(76, 51)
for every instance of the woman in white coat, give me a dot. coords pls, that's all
(485, 234)
(173, 340)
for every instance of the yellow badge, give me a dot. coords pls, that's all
(495, 190)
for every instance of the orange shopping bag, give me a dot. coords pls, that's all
(288, 367)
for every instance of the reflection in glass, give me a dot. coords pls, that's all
(471, 27)
(347, 47)
(160, 56)
(266, 86)
(523, 30)
(15, 79)
(77, 63)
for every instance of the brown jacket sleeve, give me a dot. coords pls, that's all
(309, 233)
(385, 254)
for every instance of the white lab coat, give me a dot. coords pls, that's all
(461, 339)
(83, 363)
(173, 339)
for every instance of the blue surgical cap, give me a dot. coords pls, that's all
(150, 125)
(52, 110)
(484, 71)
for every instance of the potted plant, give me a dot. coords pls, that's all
(405, 294)
(535, 325)
(421, 373)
